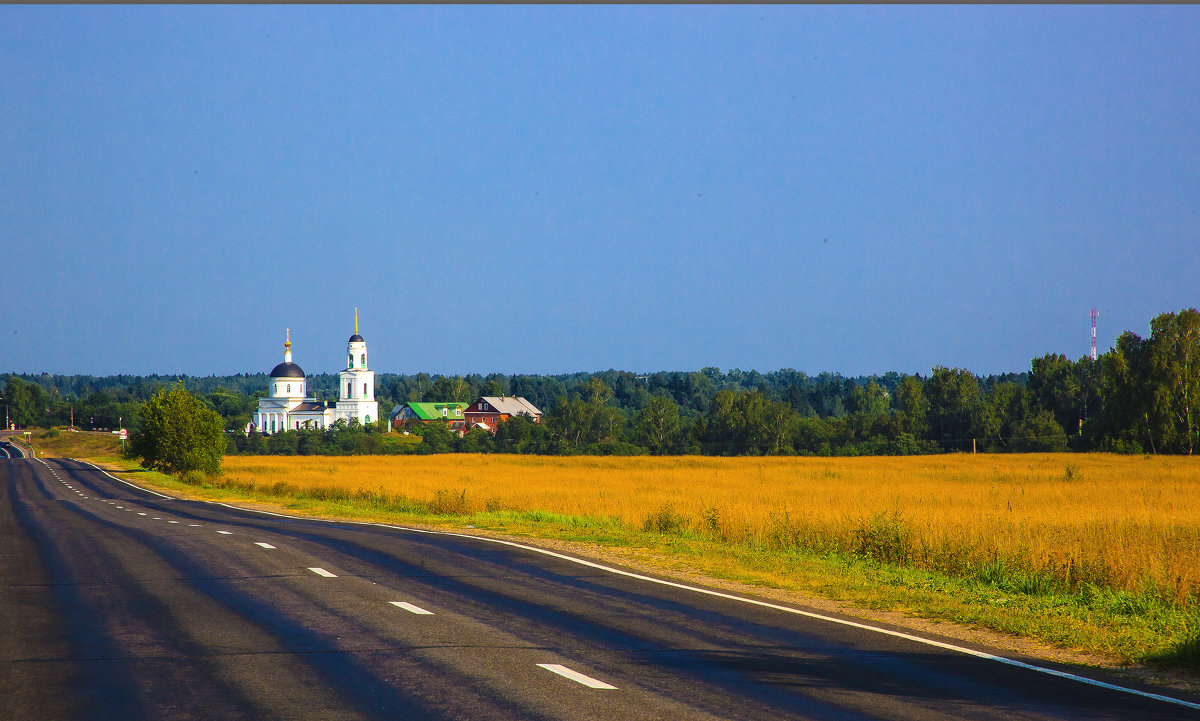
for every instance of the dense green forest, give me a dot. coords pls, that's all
(1143, 396)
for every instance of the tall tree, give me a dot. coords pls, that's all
(953, 401)
(608, 424)
(571, 420)
(1174, 374)
(446, 388)
(748, 423)
(26, 403)
(909, 400)
(595, 391)
(657, 424)
(1054, 383)
(1124, 423)
(871, 399)
(179, 433)
(1002, 411)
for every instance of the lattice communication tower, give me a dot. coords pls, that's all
(1095, 315)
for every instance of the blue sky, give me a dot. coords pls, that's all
(544, 190)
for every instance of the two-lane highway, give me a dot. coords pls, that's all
(121, 603)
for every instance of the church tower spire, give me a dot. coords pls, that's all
(356, 394)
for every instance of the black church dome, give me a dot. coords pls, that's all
(287, 370)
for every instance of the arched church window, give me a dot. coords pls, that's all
(365, 391)
(289, 387)
(349, 360)
(363, 360)
(349, 389)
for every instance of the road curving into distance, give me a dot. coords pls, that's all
(122, 603)
(10, 450)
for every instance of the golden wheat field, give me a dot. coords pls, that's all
(1121, 522)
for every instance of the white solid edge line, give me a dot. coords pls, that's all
(131, 485)
(940, 644)
(751, 601)
(575, 676)
(411, 608)
(322, 572)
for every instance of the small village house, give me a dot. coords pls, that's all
(489, 411)
(452, 412)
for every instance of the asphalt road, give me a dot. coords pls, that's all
(10, 450)
(118, 603)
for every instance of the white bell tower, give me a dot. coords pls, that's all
(356, 384)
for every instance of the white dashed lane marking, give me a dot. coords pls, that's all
(264, 545)
(225, 533)
(575, 676)
(322, 572)
(411, 608)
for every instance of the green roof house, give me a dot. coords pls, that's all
(449, 411)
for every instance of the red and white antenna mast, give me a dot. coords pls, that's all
(1095, 315)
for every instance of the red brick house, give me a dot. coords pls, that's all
(488, 411)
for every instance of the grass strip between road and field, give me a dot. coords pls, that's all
(1119, 626)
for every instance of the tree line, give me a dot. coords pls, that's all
(1141, 396)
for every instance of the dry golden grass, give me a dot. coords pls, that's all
(1116, 522)
(74, 444)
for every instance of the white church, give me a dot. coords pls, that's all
(288, 408)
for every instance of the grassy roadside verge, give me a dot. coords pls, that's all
(1112, 628)
(59, 443)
